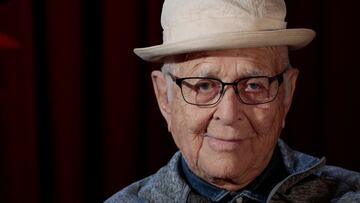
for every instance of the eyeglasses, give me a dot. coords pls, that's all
(206, 91)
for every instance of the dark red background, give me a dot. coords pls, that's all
(78, 118)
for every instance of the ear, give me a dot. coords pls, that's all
(160, 88)
(292, 75)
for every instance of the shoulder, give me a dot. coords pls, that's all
(310, 177)
(131, 192)
(321, 184)
(163, 186)
(347, 182)
(348, 177)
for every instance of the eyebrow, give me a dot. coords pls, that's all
(208, 72)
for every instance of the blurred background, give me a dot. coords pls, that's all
(78, 117)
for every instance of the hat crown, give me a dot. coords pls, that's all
(204, 25)
(190, 19)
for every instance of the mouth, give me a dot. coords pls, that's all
(222, 144)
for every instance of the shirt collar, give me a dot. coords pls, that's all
(257, 190)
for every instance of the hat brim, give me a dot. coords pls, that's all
(7, 42)
(293, 38)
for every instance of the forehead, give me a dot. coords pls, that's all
(242, 61)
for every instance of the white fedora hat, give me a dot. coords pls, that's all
(205, 25)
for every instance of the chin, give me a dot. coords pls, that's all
(222, 169)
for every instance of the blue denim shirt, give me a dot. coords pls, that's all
(257, 191)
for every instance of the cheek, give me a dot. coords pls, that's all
(189, 119)
(188, 126)
(266, 119)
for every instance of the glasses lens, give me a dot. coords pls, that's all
(257, 90)
(201, 91)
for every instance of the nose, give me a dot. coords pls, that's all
(228, 110)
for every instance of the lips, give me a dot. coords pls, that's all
(223, 144)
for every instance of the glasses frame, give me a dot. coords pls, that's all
(279, 77)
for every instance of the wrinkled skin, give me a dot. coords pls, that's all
(230, 144)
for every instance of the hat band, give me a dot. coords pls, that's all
(205, 27)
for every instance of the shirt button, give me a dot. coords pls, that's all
(239, 200)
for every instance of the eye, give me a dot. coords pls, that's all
(256, 85)
(253, 86)
(205, 86)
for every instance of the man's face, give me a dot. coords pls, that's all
(228, 144)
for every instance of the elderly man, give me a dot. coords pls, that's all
(224, 90)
